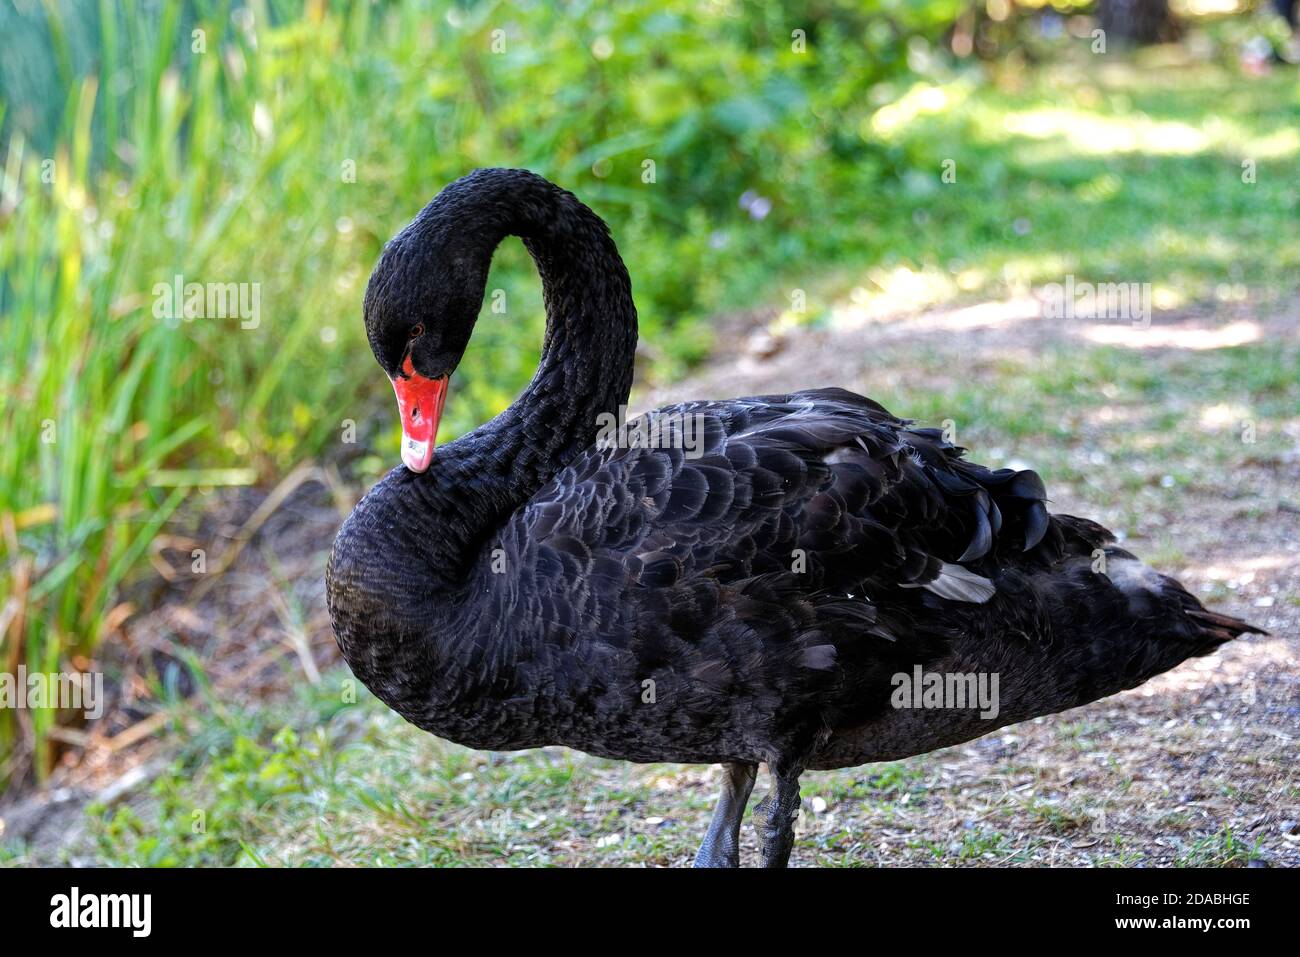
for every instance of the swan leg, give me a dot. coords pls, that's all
(774, 816)
(721, 847)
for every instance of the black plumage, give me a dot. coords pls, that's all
(743, 590)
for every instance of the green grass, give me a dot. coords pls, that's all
(1222, 849)
(1117, 174)
(361, 787)
(312, 782)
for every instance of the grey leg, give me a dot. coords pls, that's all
(721, 847)
(774, 817)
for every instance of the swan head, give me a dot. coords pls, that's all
(421, 304)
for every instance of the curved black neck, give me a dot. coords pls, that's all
(586, 361)
(589, 348)
(413, 539)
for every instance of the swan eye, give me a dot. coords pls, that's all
(417, 330)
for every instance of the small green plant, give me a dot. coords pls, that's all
(207, 821)
(1221, 849)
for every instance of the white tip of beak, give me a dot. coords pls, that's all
(416, 455)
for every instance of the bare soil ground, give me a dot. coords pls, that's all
(1195, 767)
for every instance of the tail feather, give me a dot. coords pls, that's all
(1212, 629)
(1182, 613)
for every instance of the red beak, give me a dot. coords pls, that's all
(419, 400)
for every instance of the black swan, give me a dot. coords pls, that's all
(744, 588)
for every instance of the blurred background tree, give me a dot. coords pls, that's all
(1137, 21)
